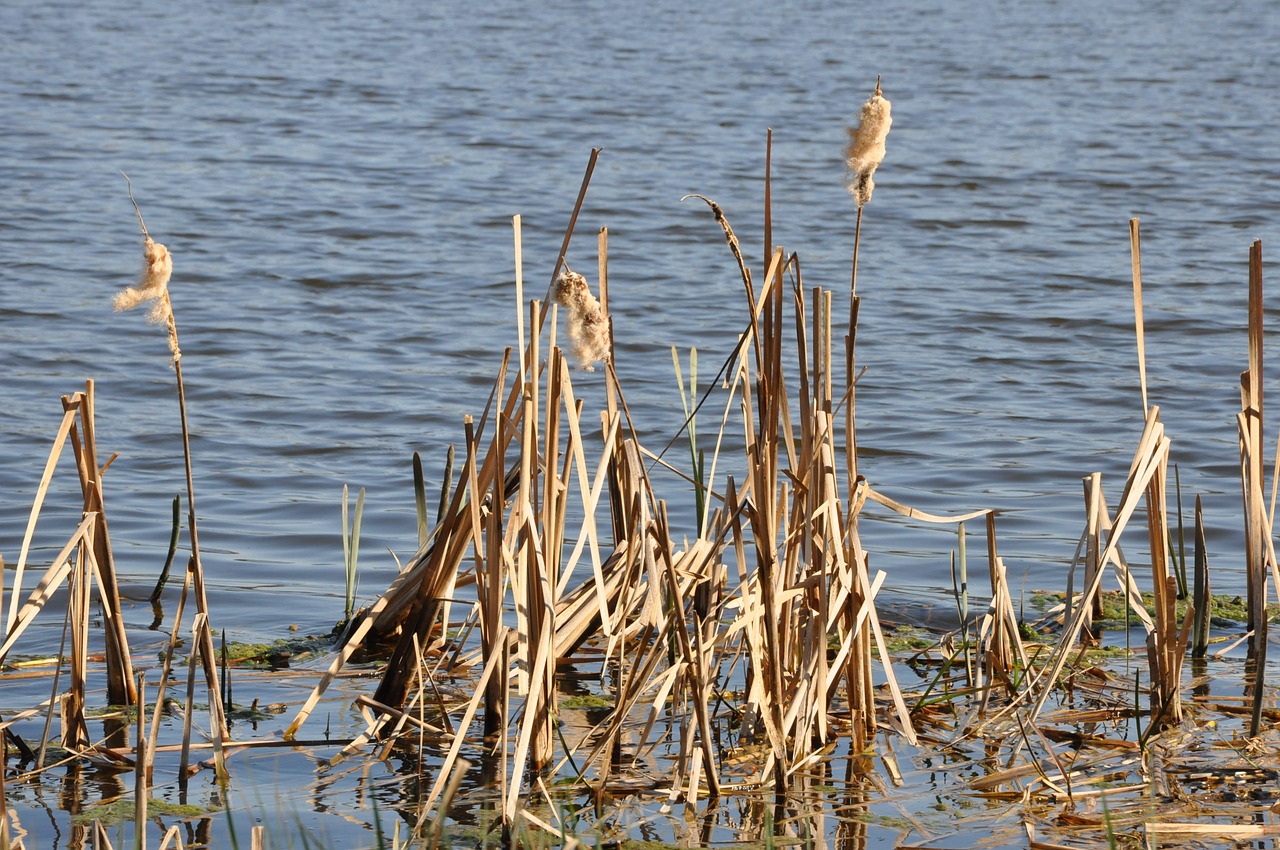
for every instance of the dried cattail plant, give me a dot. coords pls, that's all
(865, 150)
(862, 156)
(153, 284)
(588, 325)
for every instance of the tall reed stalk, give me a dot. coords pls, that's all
(1259, 548)
(154, 288)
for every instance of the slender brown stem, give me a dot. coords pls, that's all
(853, 279)
(568, 233)
(195, 565)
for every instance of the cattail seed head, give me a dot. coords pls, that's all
(588, 325)
(153, 286)
(157, 268)
(865, 150)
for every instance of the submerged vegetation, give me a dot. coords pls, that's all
(555, 667)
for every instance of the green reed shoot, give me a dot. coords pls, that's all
(960, 589)
(689, 401)
(173, 548)
(351, 547)
(1180, 562)
(226, 673)
(420, 500)
(1203, 597)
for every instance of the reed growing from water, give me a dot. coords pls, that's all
(153, 288)
(91, 545)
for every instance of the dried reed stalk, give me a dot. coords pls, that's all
(77, 426)
(531, 578)
(1163, 645)
(1135, 253)
(53, 577)
(573, 223)
(698, 677)
(75, 732)
(5, 838)
(1094, 511)
(172, 838)
(154, 287)
(120, 688)
(1258, 542)
(141, 785)
(1164, 649)
(1202, 597)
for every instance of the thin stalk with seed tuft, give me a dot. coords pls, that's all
(154, 286)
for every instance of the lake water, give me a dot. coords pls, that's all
(336, 182)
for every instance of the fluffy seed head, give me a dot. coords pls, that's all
(153, 286)
(588, 325)
(865, 150)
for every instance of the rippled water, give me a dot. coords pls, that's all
(337, 181)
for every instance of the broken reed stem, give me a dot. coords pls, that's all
(568, 232)
(4, 764)
(75, 734)
(140, 774)
(78, 408)
(1162, 644)
(120, 686)
(1201, 597)
(1135, 253)
(1258, 535)
(15, 592)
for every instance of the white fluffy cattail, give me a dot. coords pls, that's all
(588, 325)
(866, 146)
(153, 285)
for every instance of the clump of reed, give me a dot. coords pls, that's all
(798, 617)
(84, 562)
